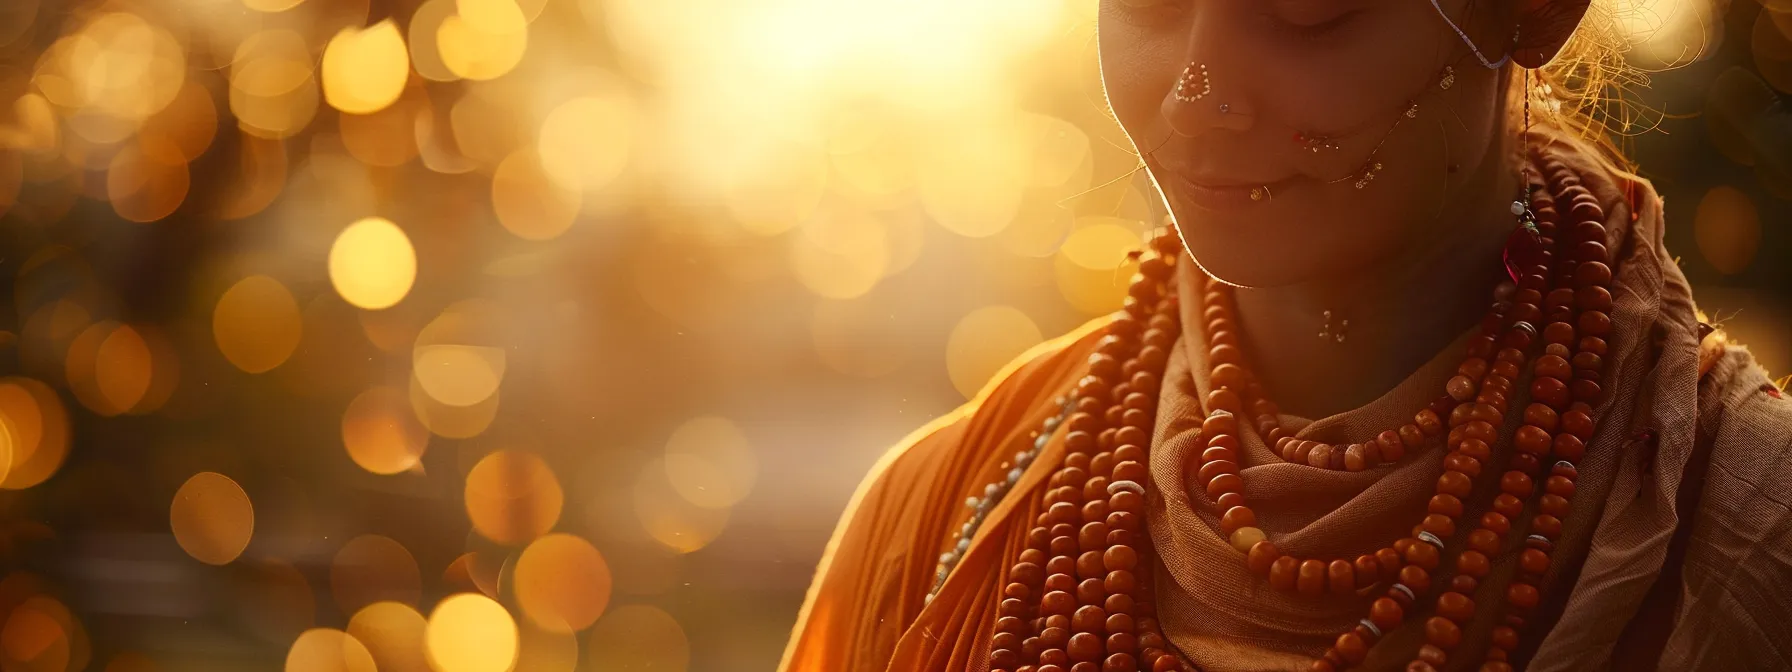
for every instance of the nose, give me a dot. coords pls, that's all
(1202, 99)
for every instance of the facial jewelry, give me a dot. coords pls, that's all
(1334, 334)
(1186, 90)
(1262, 194)
(1315, 143)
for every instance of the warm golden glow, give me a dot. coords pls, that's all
(710, 463)
(328, 650)
(984, 341)
(639, 637)
(562, 583)
(256, 324)
(1092, 267)
(470, 633)
(34, 636)
(381, 433)
(585, 142)
(483, 39)
(212, 518)
(1727, 228)
(668, 517)
(122, 369)
(512, 497)
(393, 635)
(365, 70)
(371, 568)
(36, 424)
(372, 264)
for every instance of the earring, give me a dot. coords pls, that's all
(1336, 334)
(1314, 143)
(1185, 85)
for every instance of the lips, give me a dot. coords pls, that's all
(1220, 196)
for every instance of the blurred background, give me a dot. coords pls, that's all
(477, 335)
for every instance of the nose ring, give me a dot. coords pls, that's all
(1194, 83)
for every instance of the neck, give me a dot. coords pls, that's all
(1401, 314)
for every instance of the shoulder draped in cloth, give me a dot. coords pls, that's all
(1676, 555)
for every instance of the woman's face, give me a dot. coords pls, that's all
(1277, 72)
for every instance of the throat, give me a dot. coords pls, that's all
(1400, 315)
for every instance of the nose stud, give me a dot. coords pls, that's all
(1194, 84)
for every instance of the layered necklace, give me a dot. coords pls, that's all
(1080, 599)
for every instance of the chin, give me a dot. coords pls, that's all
(1287, 242)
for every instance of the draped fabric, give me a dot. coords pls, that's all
(1675, 555)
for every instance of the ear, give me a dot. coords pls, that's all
(1543, 27)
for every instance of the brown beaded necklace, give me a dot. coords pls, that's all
(1080, 599)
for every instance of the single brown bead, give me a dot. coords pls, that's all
(1454, 483)
(1559, 332)
(1089, 565)
(1532, 439)
(1463, 583)
(1010, 624)
(1219, 454)
(1367, 569)
(1441, 525)
(1026, 573)
(1092, 536)
(1594, 323)
(1559, 485)
(1166, 663)
(1475, 448)
(1119, 662)
(1300, 449)
(1119, 581)
(1516, 483)
(1411, 437)
(1088, 618)
(1060, 564)
(1460, 388)
(1353, 458)
(1550, 391)
(1386, 614)
(1120, 557)
(1060, 582)
(1262, 555)
(1229, 500)
(1311, 581)
(1321, 665)
(1131, 471)
(1555, 505)
(1057, 602)
(1341, 577)
(1390, 561)
(1456, 607)
(1003, 659)
(1118, 623)
(1352, 648)
(1063, 545)
(1128, 501)
(1542, 416)
(1553, 366)
(1084, 647)
(1428, 422)
(1533, 561)
(1443, 632)
(1485, 541)
(1223, 399)
(1117, 603)
(1448, 505)
(1583, 389)
(1473, 563)
(1505, 638)
(1089, 591)
(1423, 555)
(1521, 595)
(1592, 273)
(1016, 591)
(1587, 361)
(1416, 579)
(1578, 423)
(1390, 445)
(1569, 447)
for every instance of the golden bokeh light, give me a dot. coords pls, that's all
(328, 650)
(258, 177)
(1771, 45)
(586, 142)
(371, 568)
(1727, 229)
(189, 122)
(540, 650)
(513, 497)
(668, 517)
(372, 264)
(457, 359)
(212, 518)
(393, 635)
(782, 191)
(1092, 267)
(984, 341)
(474, 570)
(148, 180)
(452, 422)
(483, 39)
(272, 90)
(858, 337)
(256, 324)
(529, 202)
(562, 583)
(426, 54)
(381, 433)
(841, 252)
(470, 633)
(972, 179)
(122, 370)
(710, 463)
(34, 637)
(639, 637)
(36, 424)
(364, 71)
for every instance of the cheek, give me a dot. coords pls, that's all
(1133, 78)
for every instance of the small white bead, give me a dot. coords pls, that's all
(1013, 475)
(991, 490)
(1130, 486)
(948, 558)
(971, 502)
(963, 544)
(1517, 208)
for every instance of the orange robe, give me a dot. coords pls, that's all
(1681, 558)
